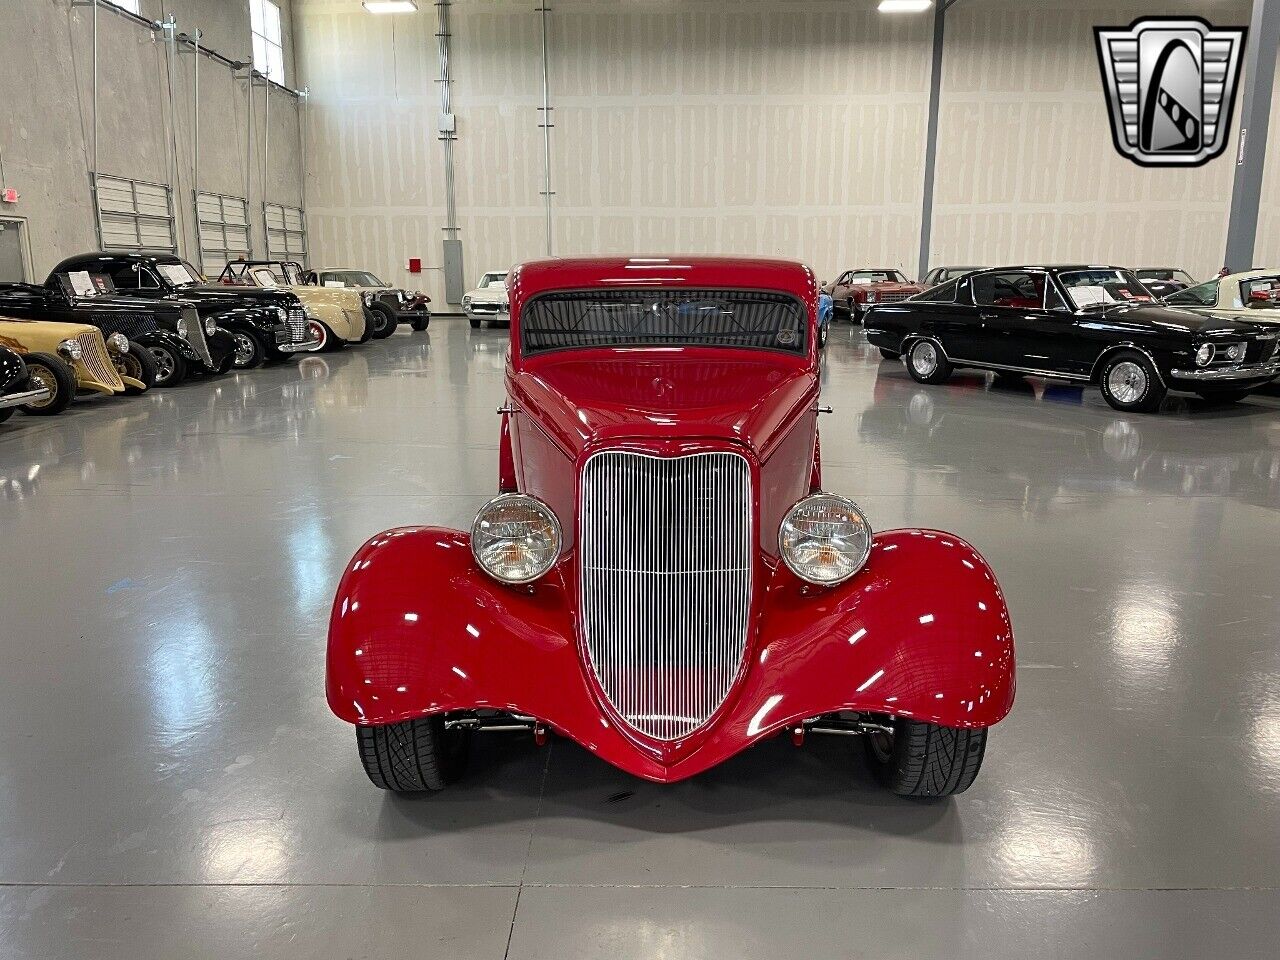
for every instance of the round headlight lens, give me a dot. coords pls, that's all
(210, 326)
(466, 300)
(515, 538)
(70, 349)
(118, 342)
(283, 314)
(1235, 351)
(1204, 354)
(183, 330)
(824, 539)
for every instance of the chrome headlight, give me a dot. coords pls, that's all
(210, 326)
(466, 300)
(118, 342)
(183, 330)
(515, 538)
(367, 297)
(871, 296)
(282, 314)
(824, 539)
(69, 350)
(1204, 354)
(1235, 352)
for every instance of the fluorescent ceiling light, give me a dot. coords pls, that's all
(898, 6)
(391, 6)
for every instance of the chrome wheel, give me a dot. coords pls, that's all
(44, 376)
(1127, 382)
(166, 366)
(245, 351)
(924, 358)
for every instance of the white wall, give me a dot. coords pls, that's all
(791, 127)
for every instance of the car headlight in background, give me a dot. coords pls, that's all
(183, 330)
(466, 301)
(367, 297)
(1204, 354)
(824, 539)
(515, 538)
(871, 296)
(118, 342)
(69, 350)
(1235, 352)
(282, 314)
(210, 326)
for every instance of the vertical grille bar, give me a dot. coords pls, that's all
(94, 356)
(666, 583)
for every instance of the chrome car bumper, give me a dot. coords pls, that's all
(26, 396)
(296, 347)
(1253, 371)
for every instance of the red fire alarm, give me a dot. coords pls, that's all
(10, 195)
(415, 264)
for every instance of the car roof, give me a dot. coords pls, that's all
(1252, 274)
(747, 273)
(83, 261)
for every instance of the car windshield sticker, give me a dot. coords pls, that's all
(82, 284)
(1089, 296)
(176, 273)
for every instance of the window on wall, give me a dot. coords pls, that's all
(135, 215)
(268, 47)
(286, 233)
(224, 230)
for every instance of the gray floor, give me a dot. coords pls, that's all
(172, 784)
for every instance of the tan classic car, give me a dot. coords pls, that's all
(335, 315)
(1253, 295)
(71, 358)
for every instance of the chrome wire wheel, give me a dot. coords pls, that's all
(44, 376)
(924, 358)
(244, 349)
(1127, 382)
(165, 366)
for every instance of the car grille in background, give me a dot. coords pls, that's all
(94, 356)
(666, 550)
(483, 307)
(893, 297)
(195, 336)
(132, 325)
(297, 325)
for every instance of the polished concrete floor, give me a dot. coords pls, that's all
(172, 784)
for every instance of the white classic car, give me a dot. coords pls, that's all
(488, 301)
(1253, 296)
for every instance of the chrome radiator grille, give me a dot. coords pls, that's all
(665, 548)
(94, 356)
(297, 325)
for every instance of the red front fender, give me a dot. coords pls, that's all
(921, 631)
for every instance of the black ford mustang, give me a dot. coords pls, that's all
(265, 324)
(1084, 323)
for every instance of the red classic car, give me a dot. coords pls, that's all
(854, 291)
(661, 577)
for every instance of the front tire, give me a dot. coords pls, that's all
(249, 352)
(927, 363)
(925, 760)
(171, 366)
(415, 755)
(1130, 383)
(139, 365)
(384, 323)
(54, 373)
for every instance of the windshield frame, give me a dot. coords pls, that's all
(1127, 278)
(327, 277)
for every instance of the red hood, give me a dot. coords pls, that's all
(673, 395)
(859, 292)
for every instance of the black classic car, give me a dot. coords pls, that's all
(391, 306)
(172, 332)
(1089, 324)
(942, 274)
(264, 324)
(16, 387)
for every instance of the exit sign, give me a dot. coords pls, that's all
(10, 195)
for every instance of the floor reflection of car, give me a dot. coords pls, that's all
(1087, 324)
(996, 455)
(488, 300)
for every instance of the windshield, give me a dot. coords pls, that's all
(1103, 287)
(1162, 273)
(666, 318)
(349, 278)
(492, 280)
(877, 276)
(180, 274)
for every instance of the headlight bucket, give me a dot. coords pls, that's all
(824, 539)
(1204, 356)
(515, 538)
(1235, 352)
(118, 342)
(69, 350)
(210, 326)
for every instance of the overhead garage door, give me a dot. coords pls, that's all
(135, 215)
(286, 233)
(224, 230)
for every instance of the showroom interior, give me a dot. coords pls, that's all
(501, 479)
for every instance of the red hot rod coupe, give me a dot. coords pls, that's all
(661, 577)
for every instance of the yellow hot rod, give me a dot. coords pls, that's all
(71, 358)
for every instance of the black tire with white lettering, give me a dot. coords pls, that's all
(927, 363)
